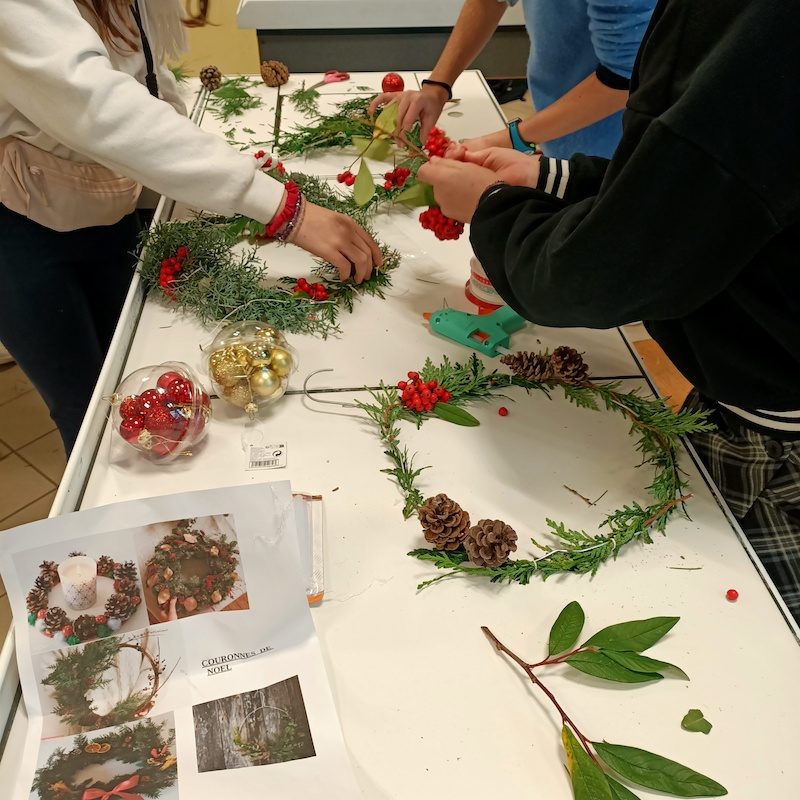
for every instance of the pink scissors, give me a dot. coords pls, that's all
(331, 76)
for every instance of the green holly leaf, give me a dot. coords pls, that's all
(620, 792)
(696, 722)
(588, 780)
(640, 663)
(386, 121)
(420, 194)
(566, 629)
(364, 187)
(601, 666)
(656, 772)
(456, 415)
(230, 93)
(636, 635)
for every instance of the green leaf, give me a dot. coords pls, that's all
(386, 121)
(601, 666)
(454, 414)
(620, 792)
(656, 772)
(230, 92)
(636, 635)
(378, 149)
(364, 187)
(420, 194)
(640, 663)
(361, 143)
(566, 629)
(588, 780)
(696, 722)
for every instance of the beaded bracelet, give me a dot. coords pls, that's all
(284, 235)
(292, 198)
(295, 227)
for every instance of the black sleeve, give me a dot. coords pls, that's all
(669, 232)
(572, 179)
(611, 79)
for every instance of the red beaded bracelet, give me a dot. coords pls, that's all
(292, 196)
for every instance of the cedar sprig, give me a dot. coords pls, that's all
(306, 101)
(232, 98)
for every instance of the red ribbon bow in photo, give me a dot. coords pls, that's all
(120, 790)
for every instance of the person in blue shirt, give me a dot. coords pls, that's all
(581, 59)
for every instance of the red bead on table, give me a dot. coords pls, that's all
(732, 595)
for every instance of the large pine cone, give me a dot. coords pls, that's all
(126, 587)
(531, 366)
(105, 564)
(569, 365)
(444, 522)
(126, 571)
(274, 73)
(36, 600)
(55, 619)
(49, 568)
(489, 543)
(85, 627)
(119, 605)
(45, 581)
(211, 78)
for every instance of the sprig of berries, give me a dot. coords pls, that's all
(170, 267)
(437, 142)
(419, 396)
(316, 291)
(443, 227)
(346, 177)
(396, 177)
(267, 162)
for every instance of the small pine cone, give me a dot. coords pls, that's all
(49, 568)
(45, 581)
(569, 365)
(531, 366)
(85, 627)
(119, 605)
(126, 571)
(127, 587)
(76, 553)
(444, 522)
(489, 543)
(274, 73)
(211, 78)
(104, 565)
(55, 619)
(36, 600)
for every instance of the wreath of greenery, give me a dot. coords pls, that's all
(145, 745)
(164, 577)
(657, 427)
(283, 746)
(76, 673)
(54, 622)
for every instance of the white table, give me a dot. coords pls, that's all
(428, 708)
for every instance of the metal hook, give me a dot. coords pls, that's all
(307, 393)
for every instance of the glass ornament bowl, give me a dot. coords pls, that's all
(162, 411)
(249, 365)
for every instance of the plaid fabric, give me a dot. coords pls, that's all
(759, 477)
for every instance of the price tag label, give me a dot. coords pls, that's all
(269, 456)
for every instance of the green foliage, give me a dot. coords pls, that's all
(566, 629)
(284, 746)
(454, 414)
(232, 98)
(696, 722)
(335, 130)
(306, 101)
(181, 72)
(364, 187)
(636, 635)
(601, 666)
(588, 780)
(640, 663)
(618, 791)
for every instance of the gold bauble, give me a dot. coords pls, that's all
(279, 392)
(190, 604)
(239, 394)
(163, 596)
(225, 371)
(241, 354)
(216, 597)
(260, 351)
(281, 362)
(269, 336)
(264, 382)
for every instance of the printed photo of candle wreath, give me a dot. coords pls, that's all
(82, 590)
(189, 567)
(127, 761)
(253, 729)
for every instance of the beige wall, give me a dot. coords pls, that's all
(222, 44)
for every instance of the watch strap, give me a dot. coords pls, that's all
(517, 142)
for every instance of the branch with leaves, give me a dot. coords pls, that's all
(613, 654)
(232, 98)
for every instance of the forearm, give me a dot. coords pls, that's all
(589, 102)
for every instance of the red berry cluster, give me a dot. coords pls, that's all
(316, 291)
(170, 267)
(346, 177)
(268, 163)
(442, 226)
(397, 177)
(437, 142)
(419, 396)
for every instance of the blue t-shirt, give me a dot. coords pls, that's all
(569, 40)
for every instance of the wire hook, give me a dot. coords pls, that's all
(307, 392)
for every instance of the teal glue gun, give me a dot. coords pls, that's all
(488, 334)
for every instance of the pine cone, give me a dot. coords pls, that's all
(49, 568)
(85, 627)
(126, 571)
(444, 522)
(489, 543)
(126, 587)
(569, 365)
(119, 605)
(55, 619)
(45, 581)
(36, 600)
(76, 553)
(211, 78)
(274, 73)
(105, 564)
(531, 366)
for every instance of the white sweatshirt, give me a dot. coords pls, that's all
(64, 91)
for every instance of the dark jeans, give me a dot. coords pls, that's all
(60, 299)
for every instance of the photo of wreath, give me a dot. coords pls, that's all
(146, 746)
(191, 571)
(54, 622)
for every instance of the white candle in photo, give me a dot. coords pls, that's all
(78, 575)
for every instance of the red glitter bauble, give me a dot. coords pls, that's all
(160, 422)
(150, 399)
(67, 630)
(392, 83)
(131, 427)
(166, 379)
(101, 619)
(180, 391)
(129, 407)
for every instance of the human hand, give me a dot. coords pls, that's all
(337, 239)
(172, 613)
(425, 106)
(457, 185)
(496, 139)
(509, 166)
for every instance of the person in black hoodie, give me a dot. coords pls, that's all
(693, 226)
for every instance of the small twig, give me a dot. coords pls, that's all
(578, 494)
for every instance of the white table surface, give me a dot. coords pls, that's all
(428, 708)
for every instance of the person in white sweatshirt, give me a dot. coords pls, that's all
(75, 83)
